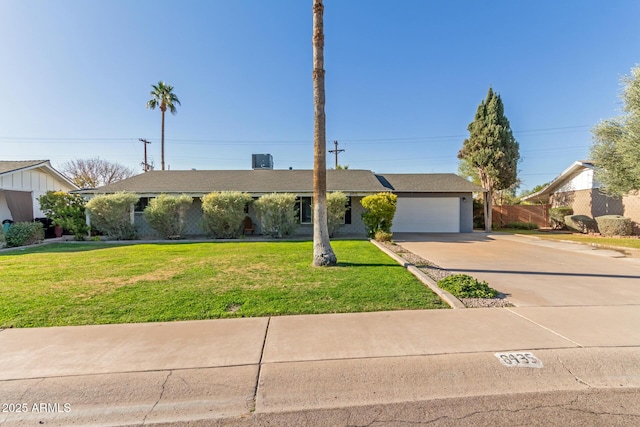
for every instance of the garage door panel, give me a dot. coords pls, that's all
(427, 215)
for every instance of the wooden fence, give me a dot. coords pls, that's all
(537, 214)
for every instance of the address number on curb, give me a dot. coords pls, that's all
(519, 360)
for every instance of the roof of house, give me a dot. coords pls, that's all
(251, 181)
(264, 181)
(568, 174)
(9, 166)
(431, 183)
(12, 166)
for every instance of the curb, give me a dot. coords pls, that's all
(453, 302)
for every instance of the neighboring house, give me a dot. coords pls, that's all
(426, 202)
(22, 182)
(577, 187)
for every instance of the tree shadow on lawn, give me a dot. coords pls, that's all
(59, 248)
(363, 264)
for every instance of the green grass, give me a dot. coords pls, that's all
(78, 284)
(580, 238)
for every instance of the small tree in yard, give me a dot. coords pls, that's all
(491, 149)
(111, 215)
(65, 210)
(165, 214)
(277, 214)
(379, 212)
(336, 209)
(616, 146)
(223, 212)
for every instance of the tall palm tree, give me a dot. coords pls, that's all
(322, 252)
(162, 96)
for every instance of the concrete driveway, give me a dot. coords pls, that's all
(534, 272)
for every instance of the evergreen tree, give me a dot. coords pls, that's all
(491, 150)
(616, 147)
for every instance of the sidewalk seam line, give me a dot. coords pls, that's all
(545, 328)
(264, 344)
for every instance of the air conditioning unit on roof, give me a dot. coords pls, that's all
(262, 161)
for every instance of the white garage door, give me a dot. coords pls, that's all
(427, 215)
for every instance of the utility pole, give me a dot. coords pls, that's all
(336, 151)
(146, 167)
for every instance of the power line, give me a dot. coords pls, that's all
(75, 140)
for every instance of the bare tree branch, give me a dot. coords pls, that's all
(95, 172)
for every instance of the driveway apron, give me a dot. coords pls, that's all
(534, 272)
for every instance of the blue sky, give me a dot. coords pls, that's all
(403, 79)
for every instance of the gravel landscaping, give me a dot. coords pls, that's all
(437, 273)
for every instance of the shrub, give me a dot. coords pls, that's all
(382, 236)
(165, 214)
(464, 286)
(2, 241)
(556, 216)
(110, 214)
(580, 223)
(614, 225)
(336, 209)
(379, 212)
(65, 210)
(518, 225)
(277, 214)
(223, 212)
(24, 233)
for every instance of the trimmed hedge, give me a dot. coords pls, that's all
(556, 216)
(380, 209)
(336, 209)
(277, 214)
(614, 225)
(465, 286)
(24, 233)
(223, 212)
(165, 214)
(580, 223)
(110, 214)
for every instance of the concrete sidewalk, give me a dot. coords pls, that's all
(389, 368)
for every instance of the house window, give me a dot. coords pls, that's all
(305, 209)
(143, 202)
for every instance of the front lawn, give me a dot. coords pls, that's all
(87, 283)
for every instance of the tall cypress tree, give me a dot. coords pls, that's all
(491, 149)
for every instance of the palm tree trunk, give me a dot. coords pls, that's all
(322, 252)
(162, 144)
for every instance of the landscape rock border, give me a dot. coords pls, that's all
(430, 273)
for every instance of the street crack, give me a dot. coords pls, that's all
(578, 380)
(144, 420)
